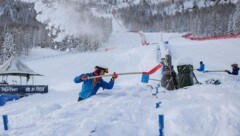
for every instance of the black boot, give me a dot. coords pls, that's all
(79, 99)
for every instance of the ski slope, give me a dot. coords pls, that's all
(129, 108)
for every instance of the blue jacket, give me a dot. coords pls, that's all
(88, 89)
(201, 68)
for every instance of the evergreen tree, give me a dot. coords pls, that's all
(236, 19)
(211, 20)
(8, 46)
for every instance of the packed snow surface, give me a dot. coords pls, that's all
(129, 108)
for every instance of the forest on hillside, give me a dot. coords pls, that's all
(213, 20)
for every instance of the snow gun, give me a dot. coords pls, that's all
(145, 75)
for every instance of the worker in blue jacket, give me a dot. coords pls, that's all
(91, 86)
(202, 67)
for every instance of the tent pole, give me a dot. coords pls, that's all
(33, 80)
(20, 80)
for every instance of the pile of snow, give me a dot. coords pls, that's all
(184, 61)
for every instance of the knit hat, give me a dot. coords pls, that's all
(105, 69)
(234, 65)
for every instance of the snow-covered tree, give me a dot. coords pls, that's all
(236, 19)
(8, 46)
(211, 20)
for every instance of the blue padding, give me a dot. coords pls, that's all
(2, 101)
(5, 98)
(145, 78)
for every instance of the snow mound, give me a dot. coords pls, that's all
(184, 61)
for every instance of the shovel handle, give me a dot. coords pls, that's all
(153, 70)
(109, 75)
(155, 79)
(214, 71)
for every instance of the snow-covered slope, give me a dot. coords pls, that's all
(129, 108)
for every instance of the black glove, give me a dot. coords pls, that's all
(228, 71)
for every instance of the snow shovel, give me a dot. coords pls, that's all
(145, 75)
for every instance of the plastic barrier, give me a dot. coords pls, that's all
(144, 41)
(190, 36)
(110, 49)
(5, 98)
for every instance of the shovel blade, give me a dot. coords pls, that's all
(145, 78)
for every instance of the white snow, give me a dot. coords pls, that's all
(1, 10)
(184, 61)
(65, 16)
(129, 108)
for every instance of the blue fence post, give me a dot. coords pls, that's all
(156, 90)
(161, 125)
(160, 117)
(5, 122)
(158, 104)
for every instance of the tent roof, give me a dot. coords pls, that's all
(15, 67)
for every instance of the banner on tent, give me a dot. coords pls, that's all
(21, 89)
